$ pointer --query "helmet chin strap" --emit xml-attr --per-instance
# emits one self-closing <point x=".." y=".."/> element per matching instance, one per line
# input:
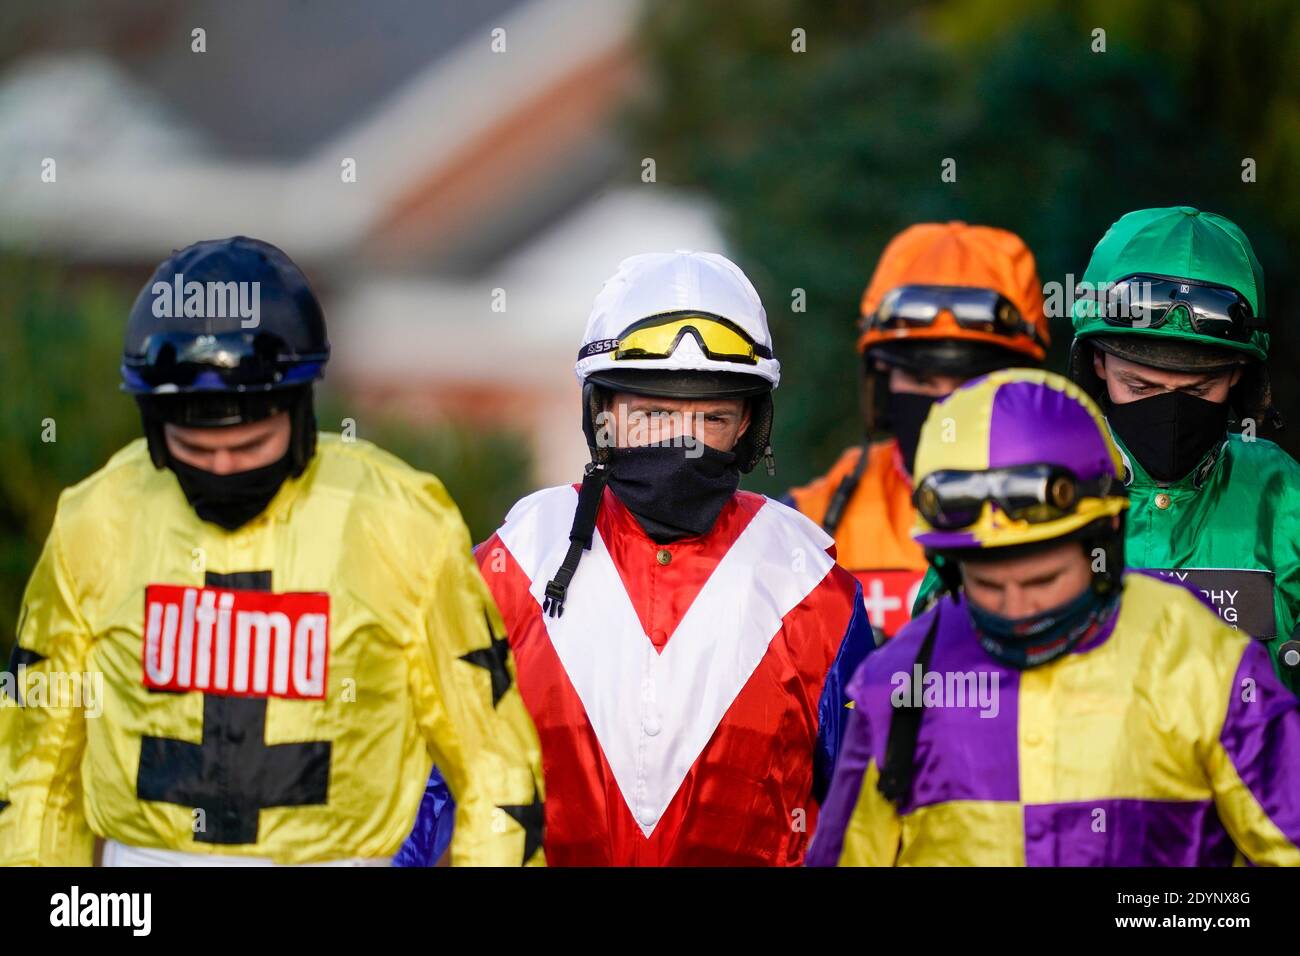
<point x="580" y="537"/>
<point x="302" y="434"/>
<point x="156" y="438"/>
<point x="594" y="399"/>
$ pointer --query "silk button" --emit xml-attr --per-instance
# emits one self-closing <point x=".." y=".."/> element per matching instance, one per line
<point x="664" y="556"/>
<point x="1162" y="501"/>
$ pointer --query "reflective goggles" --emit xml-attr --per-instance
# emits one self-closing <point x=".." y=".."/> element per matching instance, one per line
<point x="954" y="500"/>
<point x="977" y="309"/>
<point x="1145" y="301"/>
<point x="224" y="360"/>
<point x="658" y="337"/>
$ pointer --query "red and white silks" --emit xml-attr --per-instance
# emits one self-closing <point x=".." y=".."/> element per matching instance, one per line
<point x="677" y="696"/>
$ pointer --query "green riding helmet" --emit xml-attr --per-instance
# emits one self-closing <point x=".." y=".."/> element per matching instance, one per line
<point x="1177" y="289"/>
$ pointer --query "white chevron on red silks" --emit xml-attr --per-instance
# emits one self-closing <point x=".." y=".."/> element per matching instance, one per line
<point x="654" y="712"/>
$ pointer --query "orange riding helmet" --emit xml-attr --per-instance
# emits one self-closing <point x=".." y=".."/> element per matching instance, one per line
<point x="962" y="258"/>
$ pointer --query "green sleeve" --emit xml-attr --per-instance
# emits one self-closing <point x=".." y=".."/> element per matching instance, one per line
<point x="1286" y="580"/>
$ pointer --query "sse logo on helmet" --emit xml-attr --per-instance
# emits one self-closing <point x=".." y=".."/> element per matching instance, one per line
<point x="236" y="642"/>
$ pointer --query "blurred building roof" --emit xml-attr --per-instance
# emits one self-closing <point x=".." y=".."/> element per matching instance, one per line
<point x="476" y="171"/>
<point x="460" y="154"/>
<point x="279" y="79"/>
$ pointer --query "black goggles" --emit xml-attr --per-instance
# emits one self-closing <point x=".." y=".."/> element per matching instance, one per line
<point x="223" y="360"/>
<point x="953" y="500"/>
<point x="1145" y="301"/>
<point x="978" y="309"/>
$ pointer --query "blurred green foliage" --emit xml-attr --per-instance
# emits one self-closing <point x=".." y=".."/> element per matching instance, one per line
<point x="816" y="159"/>
<point x="61" y="345"/>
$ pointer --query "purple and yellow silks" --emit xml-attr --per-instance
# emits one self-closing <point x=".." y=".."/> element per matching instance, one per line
<point x="1166" y="740"/>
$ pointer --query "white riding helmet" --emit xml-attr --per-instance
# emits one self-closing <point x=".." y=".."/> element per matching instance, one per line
<point x="674" y="312"/>
<point x="670" y="324"/>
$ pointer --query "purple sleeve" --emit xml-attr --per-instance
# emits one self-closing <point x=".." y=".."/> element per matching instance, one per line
<point x="1261" y="735"/>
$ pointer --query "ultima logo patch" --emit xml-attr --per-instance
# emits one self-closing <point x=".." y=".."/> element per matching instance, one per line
<point x="234" y="642"/>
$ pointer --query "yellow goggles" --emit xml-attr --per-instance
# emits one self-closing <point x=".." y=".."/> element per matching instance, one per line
<point x="658" y="337"/>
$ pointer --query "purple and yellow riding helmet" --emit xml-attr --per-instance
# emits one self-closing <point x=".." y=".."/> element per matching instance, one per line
<point x="1016" y="458"/>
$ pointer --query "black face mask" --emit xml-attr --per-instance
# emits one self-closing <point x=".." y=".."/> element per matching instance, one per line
<point x="1169" y="433"/>
<point x="230" y="500"/>
<point x="673" y="492"/>
<point x="906" y="413"/>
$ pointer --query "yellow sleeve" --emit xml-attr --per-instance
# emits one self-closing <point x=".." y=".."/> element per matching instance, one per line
<point x="44" y="822"/>
<point x="874" y="832"/>
<point x="470" y="712"/>
<point x="857" y="826"/>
